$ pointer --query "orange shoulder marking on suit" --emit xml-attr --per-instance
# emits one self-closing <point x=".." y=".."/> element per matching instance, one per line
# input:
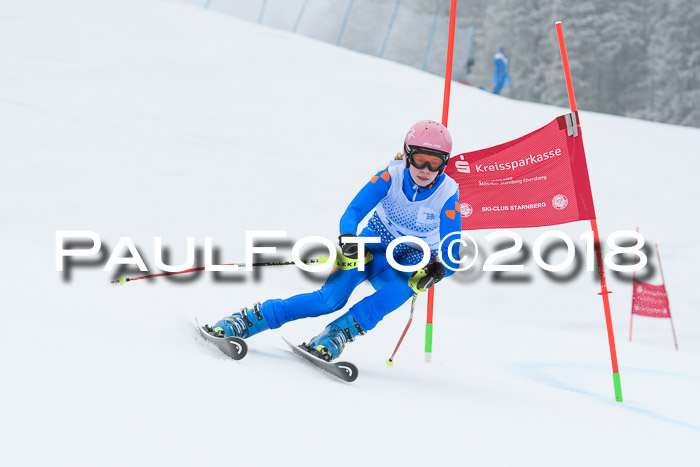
<point x="384" y="176"/>
<point x="451" y="214"/>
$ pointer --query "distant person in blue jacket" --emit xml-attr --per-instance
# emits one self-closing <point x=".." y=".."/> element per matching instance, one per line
<point x="500" y="70"/>
<point x="412" y="196"/>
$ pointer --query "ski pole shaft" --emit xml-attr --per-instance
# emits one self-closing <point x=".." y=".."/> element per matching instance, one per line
<point x="322" y="259"/>
<point x="410" y="319"/>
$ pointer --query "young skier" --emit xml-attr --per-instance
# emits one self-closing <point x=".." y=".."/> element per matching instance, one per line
<point x="411" y="197"/>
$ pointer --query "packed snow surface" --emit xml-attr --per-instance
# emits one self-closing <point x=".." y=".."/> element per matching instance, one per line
<point x="143" y="119"/>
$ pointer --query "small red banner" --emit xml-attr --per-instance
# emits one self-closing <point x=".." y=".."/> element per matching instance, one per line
<point x="538" y="179"/>
<point x="650" y="300"/>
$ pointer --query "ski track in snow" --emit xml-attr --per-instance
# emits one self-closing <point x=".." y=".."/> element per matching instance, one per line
<point x="538" y="372"/>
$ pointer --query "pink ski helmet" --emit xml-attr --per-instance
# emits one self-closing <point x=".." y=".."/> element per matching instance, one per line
<point x="430" y="137"/>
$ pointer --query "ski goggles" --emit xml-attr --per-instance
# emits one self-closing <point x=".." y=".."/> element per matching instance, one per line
<point x="423" y="157"/>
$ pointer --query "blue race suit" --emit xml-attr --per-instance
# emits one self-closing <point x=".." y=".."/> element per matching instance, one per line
<point x="391" y="286"/>
<point x="500" y="72"/>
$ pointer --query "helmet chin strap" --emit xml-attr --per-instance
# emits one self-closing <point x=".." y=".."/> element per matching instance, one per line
<point x="428" y="186"/>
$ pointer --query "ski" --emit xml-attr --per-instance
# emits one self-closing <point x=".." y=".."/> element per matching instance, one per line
<point x="345" y="371"/>
<point x="234" y="347"/>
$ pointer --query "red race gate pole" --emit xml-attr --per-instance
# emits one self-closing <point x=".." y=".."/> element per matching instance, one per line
<point x="594" y="225"/>
<point x="448" y="65"/>
<point x="663" y="281"/>
<point x="445" y="113"/>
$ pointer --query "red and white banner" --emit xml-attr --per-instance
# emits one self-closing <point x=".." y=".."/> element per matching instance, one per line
<point x="650" y="300"/>
<point x="538" y="179"/>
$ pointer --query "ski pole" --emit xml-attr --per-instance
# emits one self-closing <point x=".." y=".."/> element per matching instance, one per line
<point x="124" y="280"/>
<point x="390" y="361"/>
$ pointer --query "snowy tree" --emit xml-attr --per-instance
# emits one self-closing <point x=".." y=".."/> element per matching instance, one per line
<point x="639" y="58"/>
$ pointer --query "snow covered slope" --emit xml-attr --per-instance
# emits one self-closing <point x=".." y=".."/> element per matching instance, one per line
<point x="157" y="118"/>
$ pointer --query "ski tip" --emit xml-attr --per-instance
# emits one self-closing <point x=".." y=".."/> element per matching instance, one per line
<point x="288" y="343"/>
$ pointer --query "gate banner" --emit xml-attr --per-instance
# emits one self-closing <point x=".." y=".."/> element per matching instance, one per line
<point x="650" y="300"/>
<point x="538" y="179"/>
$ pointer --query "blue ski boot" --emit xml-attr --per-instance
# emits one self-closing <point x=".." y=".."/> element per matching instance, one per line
<point x="330" y="343"/>
<point x="246" y="323"/>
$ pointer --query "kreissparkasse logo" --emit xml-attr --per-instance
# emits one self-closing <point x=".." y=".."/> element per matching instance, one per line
<point x="462" y="166"/>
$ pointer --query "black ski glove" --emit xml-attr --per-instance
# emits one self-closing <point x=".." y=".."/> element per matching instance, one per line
<point x="349" y="250"/>
<point x="423" y="279"/>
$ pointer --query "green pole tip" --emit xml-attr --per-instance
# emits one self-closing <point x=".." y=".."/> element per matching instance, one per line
<point x="389" y="362"/>
<point x="428" y="337"/>
<point x="122" y="280"/>
<point x="618" y="387"/>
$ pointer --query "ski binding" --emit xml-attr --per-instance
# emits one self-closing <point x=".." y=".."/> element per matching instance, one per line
<point x="234" y="347"/>
<point x="345" y="371"/>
